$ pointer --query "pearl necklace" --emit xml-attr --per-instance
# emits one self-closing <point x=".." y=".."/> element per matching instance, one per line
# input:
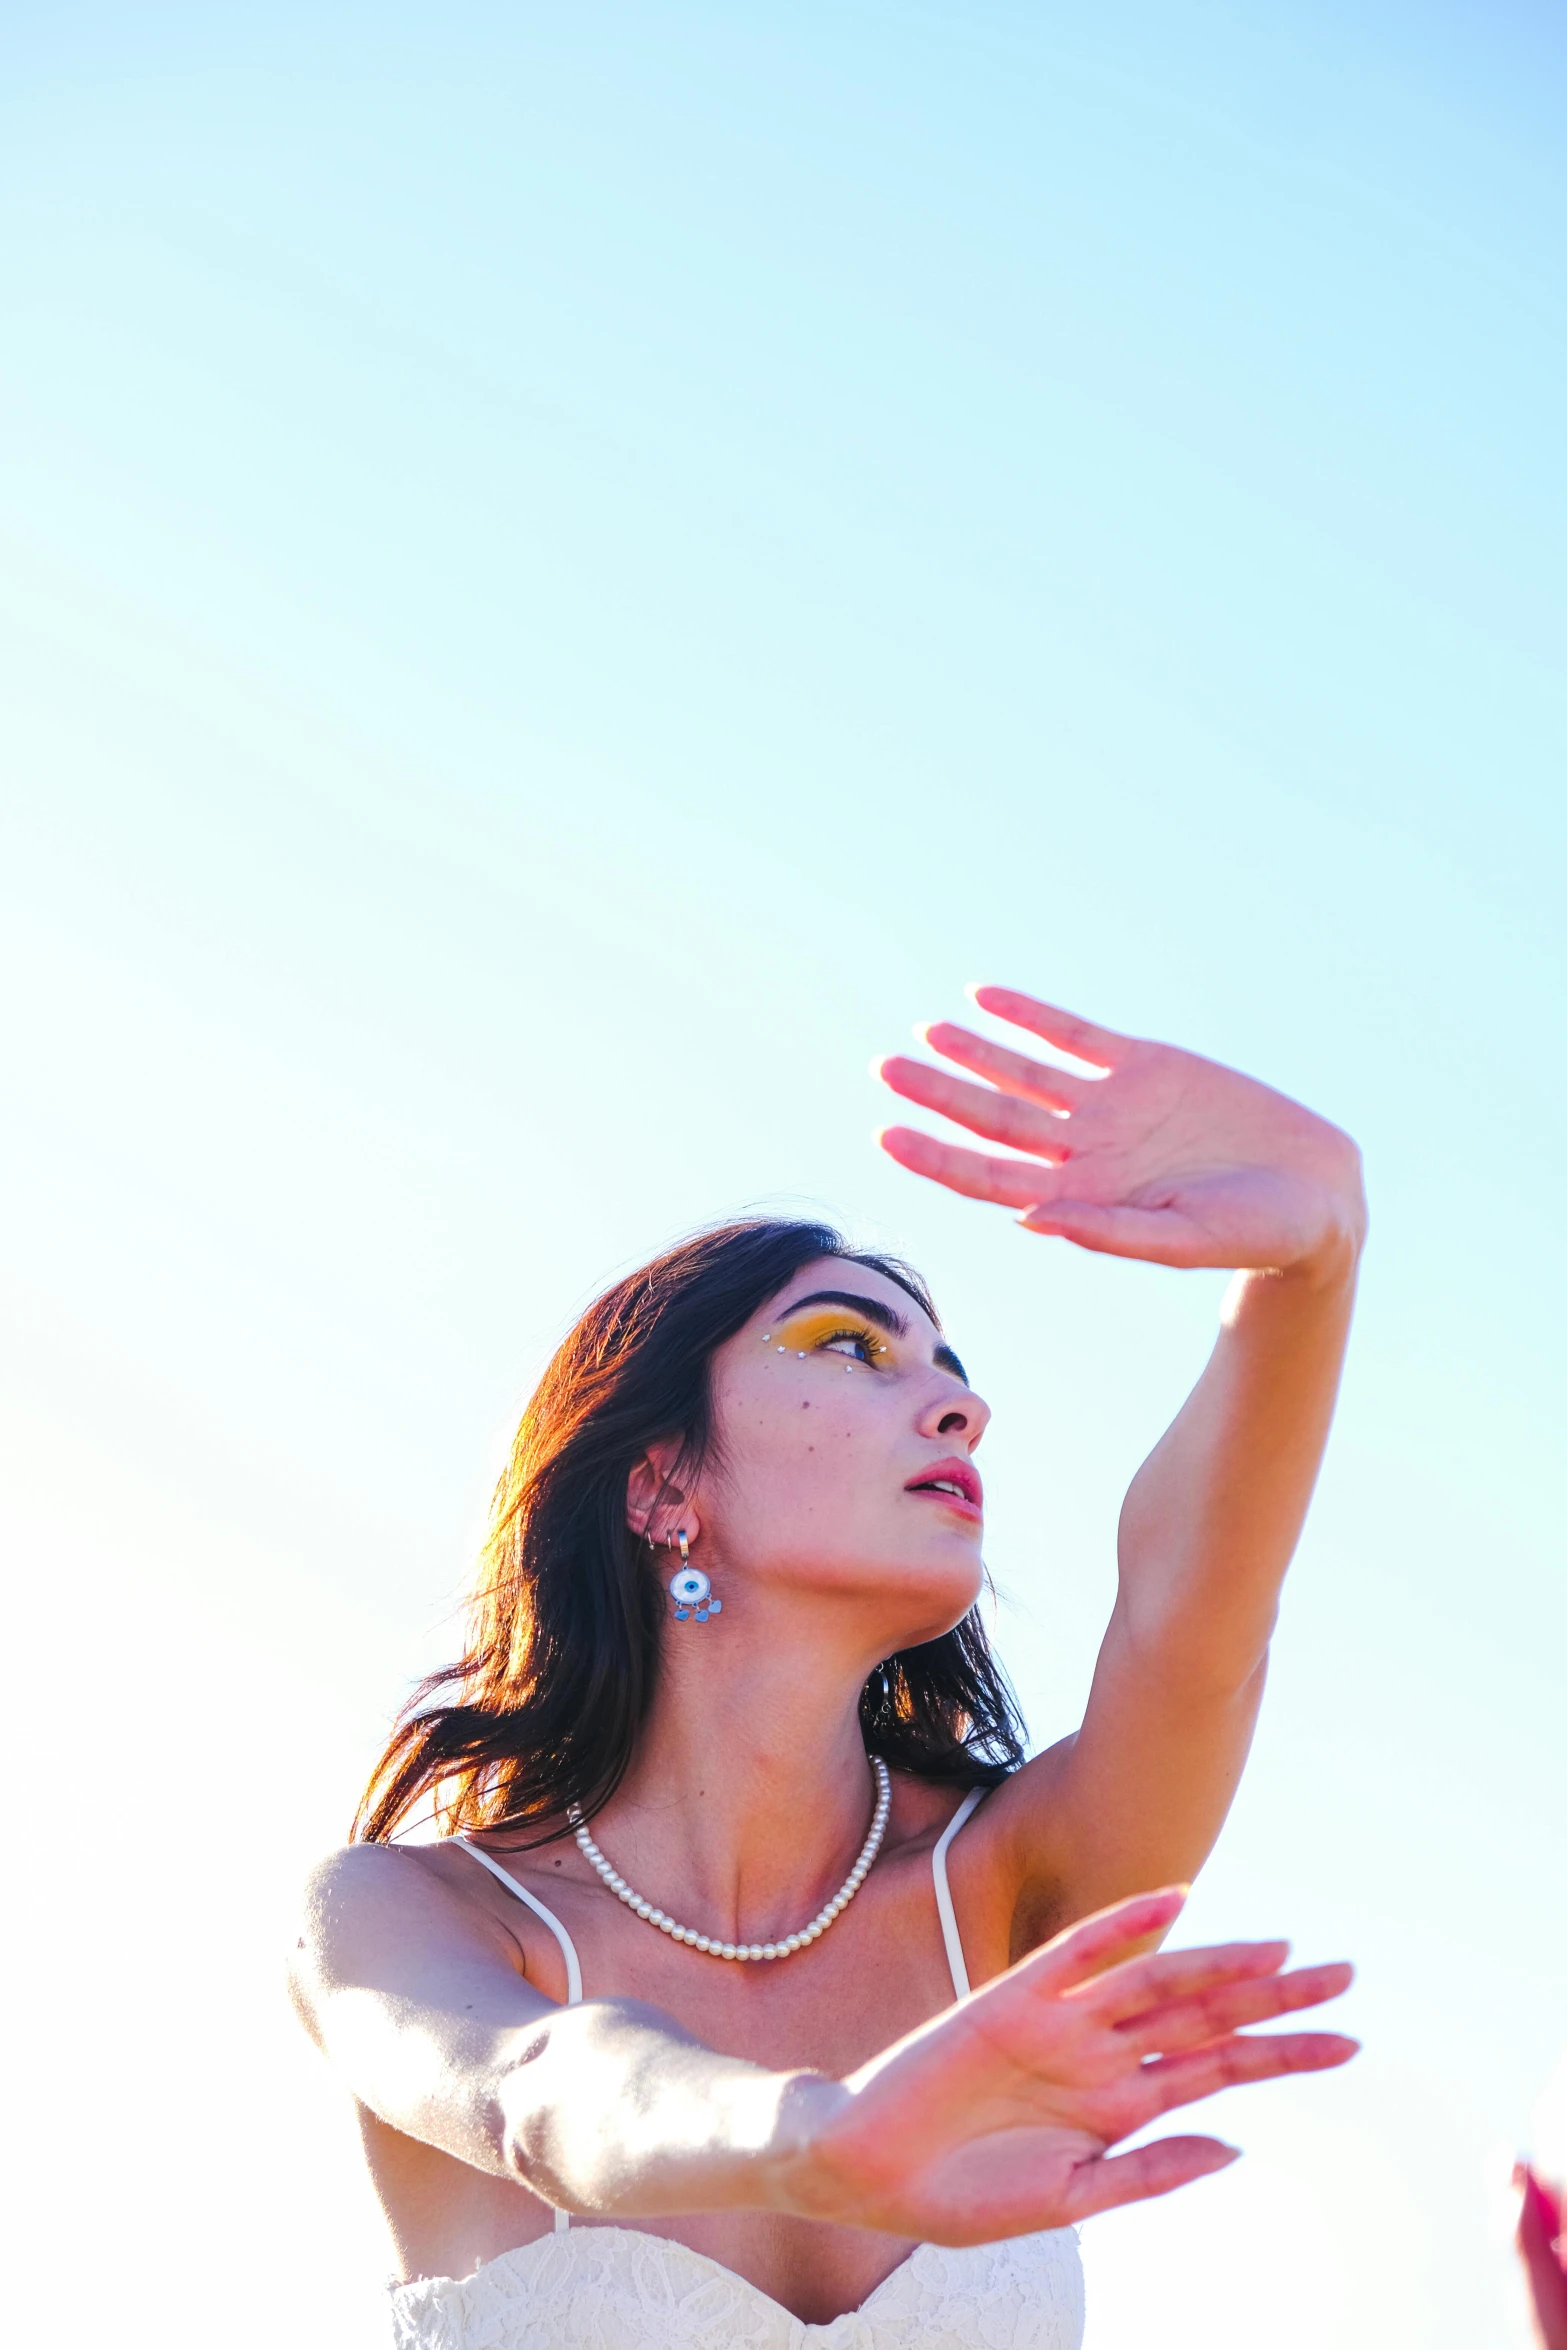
<point x="819" y="1924"/>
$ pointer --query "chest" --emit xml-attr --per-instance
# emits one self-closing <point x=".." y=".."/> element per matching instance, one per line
<point x="881" y="1971"/>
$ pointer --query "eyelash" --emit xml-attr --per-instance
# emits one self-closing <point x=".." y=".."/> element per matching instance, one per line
<point x="868" y="1339"/>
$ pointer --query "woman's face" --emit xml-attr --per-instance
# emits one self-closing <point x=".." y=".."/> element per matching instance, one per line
<point x="843" y="1465"/>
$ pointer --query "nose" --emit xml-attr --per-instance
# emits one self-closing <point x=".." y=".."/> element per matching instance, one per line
<point x="954" y="1410"/>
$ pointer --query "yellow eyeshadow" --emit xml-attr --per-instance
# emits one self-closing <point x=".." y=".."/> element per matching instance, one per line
<point x="800" y="1333"/>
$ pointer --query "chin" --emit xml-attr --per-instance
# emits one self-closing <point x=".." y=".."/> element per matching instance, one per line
<point x="935" y="1594"/>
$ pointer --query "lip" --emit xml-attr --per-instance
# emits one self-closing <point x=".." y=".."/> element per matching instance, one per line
<point x="964" y="1476"/>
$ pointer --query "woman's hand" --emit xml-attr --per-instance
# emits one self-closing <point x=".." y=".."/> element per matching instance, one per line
<point x="1166" y="1157"/>
<point x="1542" y="2247"/>
<point x="997" y="2118"/>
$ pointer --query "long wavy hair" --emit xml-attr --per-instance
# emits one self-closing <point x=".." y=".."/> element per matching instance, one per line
<point x="544" y="1706"/>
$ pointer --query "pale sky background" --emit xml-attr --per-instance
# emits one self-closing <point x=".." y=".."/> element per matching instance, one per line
<point x="566" y="575"/>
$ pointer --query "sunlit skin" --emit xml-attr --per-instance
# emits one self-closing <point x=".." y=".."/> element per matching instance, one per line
<point x="806" y="2122"/>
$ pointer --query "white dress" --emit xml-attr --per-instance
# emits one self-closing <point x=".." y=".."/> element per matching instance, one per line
<point x="619" y="2289"/>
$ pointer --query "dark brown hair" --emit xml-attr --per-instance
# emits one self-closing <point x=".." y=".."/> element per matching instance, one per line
<point x="544" y="1708"/>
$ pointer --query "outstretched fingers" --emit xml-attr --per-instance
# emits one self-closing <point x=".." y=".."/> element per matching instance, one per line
<point x="1167" y="2081"/>
<point x="1219" y="2009"/>
<point x="1031" y="1081"/>
<point x="1114" y="2179"/>
<point x="1007" y="1183"/>
<point x="1100" y="1047"/>
<point x="1103" y="1941"/>
<point x="1157" y="1979"/>
<point x="1000" y="1117"/>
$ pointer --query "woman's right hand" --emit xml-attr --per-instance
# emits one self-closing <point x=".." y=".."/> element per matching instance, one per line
<point x="1542" y="2247"/>
<point x="998" y="2117"/>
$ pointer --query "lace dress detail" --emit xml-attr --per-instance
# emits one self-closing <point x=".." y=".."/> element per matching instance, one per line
<point x="592" y="2288"/>
<point x="618" y="2289"/>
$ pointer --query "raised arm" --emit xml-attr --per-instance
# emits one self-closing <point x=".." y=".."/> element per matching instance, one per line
<point x="1170" y="1158"/>
<point x="993" y="2120"/>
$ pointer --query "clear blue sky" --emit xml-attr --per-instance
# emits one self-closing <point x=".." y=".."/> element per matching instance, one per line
<point x="565" y="576"/>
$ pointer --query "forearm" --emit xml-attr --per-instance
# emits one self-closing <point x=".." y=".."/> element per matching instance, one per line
<point x="611" y="2110"/>
<point x="1212" y="1518"/>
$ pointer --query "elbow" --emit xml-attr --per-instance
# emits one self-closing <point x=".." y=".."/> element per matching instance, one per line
<point x="524" y="2118"/>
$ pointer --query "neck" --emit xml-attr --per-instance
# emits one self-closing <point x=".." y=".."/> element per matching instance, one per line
<point x="750" y="1793"/>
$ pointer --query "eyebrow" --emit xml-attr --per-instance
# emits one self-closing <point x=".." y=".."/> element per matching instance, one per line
<point x="885" y="1317"/>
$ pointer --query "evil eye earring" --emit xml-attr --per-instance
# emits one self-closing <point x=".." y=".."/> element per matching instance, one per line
<point x="689" y="1588"/>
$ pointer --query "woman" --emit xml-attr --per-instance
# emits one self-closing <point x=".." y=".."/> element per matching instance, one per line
<point x="703" y="2024"/>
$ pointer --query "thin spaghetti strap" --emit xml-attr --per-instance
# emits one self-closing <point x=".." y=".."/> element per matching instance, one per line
<point x="568" y="1948"/>
<point x="948" y="1915"/>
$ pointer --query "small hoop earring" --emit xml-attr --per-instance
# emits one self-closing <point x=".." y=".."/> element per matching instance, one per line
<point x="689" y="1588"/>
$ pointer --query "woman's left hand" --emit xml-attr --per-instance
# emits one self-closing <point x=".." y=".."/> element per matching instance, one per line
<point x="1166" y="1156"/>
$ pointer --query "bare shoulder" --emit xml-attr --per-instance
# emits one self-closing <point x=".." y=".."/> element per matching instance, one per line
<point x="360" y="1882"/>
<point x="372" y="1915"/>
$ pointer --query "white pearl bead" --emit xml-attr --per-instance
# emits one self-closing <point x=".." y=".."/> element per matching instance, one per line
<point x="750" y="1951"/>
